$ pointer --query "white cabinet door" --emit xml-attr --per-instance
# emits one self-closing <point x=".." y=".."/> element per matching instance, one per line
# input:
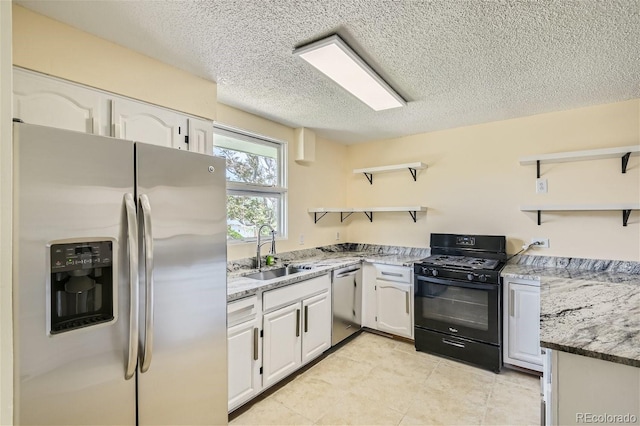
<point x="523" y="325"/>
<point x="51" y="102"/>
<point x="369" y="299"/>
<point x="316" y="329"/>
<point x="141" y="122"/>
<point x="281" y="343"/>
<point x="201" y="136"/>
<point x="394" y="308"/>
<point x="243" y="360"/>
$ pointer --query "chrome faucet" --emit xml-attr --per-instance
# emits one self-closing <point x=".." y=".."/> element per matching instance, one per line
<point x="259" y="244"/>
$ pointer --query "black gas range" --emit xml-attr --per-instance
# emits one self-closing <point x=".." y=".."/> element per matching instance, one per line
<point x="458" y="302"/>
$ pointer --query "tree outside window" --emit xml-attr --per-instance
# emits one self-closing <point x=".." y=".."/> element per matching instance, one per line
<point x="255" y="182"/>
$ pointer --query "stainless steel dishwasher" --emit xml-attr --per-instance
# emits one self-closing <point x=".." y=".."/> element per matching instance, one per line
<point x="346" y="302"/>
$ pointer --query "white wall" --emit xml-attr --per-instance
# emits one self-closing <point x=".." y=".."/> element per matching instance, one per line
<point x="475" y="185"/>
<point x="6" y="333"/>
<point x="51" y="47"/>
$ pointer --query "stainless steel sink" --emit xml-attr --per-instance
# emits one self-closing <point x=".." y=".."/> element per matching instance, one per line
<point x="275" y="273"/>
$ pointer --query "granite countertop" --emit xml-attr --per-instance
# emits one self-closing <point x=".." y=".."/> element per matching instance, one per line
<point x="315" y="264"/>
<point x="589" y="311"/>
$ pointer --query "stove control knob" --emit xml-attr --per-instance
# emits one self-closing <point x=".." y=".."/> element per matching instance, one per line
<point x="470" y="277"/>
<point x="424" y="270"/>
<point x="483" y="278"/>
<point x="434" y="272"/>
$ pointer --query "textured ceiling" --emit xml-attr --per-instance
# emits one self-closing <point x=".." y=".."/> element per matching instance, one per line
<point x="456" y="62"/>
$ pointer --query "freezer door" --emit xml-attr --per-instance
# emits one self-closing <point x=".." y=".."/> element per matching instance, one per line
<point x="71" y="278"/>
<point x="183" y="358"/>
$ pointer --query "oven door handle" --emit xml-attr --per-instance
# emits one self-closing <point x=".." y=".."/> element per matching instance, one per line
<point x="453" y="343"/>
<point x="479" y="286"/>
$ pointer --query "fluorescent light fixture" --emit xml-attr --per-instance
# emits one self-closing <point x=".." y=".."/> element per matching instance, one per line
<point x="332" y="57"/>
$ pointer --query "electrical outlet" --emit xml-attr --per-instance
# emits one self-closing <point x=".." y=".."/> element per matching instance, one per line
<point x="337" y="236"/>
<point x="541" y="186"/>
<point x="540" y="242"/>
<point x="301" y="239"/>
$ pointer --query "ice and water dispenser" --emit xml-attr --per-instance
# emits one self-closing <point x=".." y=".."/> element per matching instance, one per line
<point x="82" y="285"/>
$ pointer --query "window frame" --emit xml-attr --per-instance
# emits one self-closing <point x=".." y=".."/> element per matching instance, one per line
<point x="258" y="190"/>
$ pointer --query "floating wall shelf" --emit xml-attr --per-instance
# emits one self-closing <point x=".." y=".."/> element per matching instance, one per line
<point x="369" y="171"/>
<point x="624" y="208"/>
<point x="345" y="212"/>
<point x="624" y="152"/>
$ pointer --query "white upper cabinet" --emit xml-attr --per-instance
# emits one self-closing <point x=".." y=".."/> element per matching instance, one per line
<point x="200" y="136"/>
<point x="46" y="101"/>
<point x="49" y="101"/>
<point x="142" y="122"/>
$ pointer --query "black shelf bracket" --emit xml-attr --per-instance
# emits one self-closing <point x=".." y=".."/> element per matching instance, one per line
<point x="414" y="173"/>
<point x="316" y="218"/>
<point x="625" y="216"/>
<point x="369" y="215"/>
<point x="413" y="215"/>
<point x="625" y="162"/>
<point x="369" y="177"/>
<point x="539" y="218"/>
<point x="343" y="216"/>
<point x="538" y="170"/>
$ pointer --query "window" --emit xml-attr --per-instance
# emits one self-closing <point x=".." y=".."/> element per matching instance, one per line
<point x="256" y="185"/>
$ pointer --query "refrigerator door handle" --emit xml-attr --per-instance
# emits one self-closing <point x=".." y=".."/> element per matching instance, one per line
<point x="147" y="351"/>
<point x="132" y="242"/>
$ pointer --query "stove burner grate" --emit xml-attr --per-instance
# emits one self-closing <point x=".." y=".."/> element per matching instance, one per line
<point x="466" y="262"/>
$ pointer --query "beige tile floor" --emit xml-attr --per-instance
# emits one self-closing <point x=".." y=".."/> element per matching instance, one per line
<point x="374" y="380"/>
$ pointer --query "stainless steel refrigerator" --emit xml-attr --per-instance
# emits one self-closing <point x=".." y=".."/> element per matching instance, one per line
<point x="119" y="282"/>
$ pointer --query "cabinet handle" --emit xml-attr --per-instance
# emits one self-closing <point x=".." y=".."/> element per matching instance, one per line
<point x="255" y="343"/>
<point x="355" y="294"/>
<point x="391" y="274"/>
<point x="306" y="319"/>
<point x="297" y="322"/>
<point x="511" y="303"/>
<point x="408" y="303"/>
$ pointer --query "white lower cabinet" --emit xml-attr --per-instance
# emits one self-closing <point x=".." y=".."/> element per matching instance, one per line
<point x="316" y="327"/>
<point x="282" y="343"/>
<point x="522" y="323"/>
<point x="388" y="299"/>
<point x="590" y="390"/>
<point x="243" y="349"/>
<point x="394" y="308"/>
<point x="297" y="332"/>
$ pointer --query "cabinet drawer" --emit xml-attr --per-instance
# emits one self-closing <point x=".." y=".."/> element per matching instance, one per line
<point x="282" y="296"/>
<point x="393" y="273"/>
<point x="242" y="310"/>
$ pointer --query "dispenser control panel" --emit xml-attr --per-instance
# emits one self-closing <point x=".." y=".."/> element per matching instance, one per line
<point x="73" y="256"/>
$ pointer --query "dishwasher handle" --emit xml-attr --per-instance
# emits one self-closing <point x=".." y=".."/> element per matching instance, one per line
<point x="343" y="273"/>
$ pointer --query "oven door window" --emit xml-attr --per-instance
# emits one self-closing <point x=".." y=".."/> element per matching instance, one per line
<point x="468" y="310"/>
